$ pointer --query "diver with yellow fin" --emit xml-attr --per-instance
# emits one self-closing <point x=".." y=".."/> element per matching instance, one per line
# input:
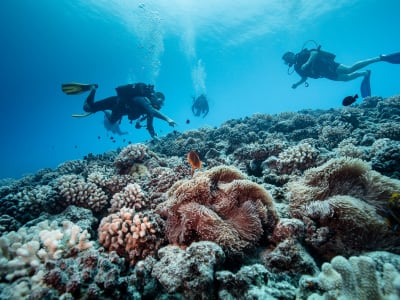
<point x="138" y="101"/>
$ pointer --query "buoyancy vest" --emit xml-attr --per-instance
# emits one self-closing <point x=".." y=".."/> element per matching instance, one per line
<point x="324" y="64"/>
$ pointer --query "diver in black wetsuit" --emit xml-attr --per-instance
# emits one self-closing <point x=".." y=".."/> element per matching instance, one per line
<point x="316" y="63"/>
<point x="200" y="105"/>
<point x="137" y="101"/>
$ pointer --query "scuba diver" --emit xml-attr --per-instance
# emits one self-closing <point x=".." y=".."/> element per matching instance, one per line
<point x="200" y="105"/>
<point x="138" y="101"/>
<point x="316" y="63"/>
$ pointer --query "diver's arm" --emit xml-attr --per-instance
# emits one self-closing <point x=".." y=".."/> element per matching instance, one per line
<point x="302" y="80"/>
<point x="152" y="112"/>
<point x="313" y="56"/>
<point x="150" y="127"/>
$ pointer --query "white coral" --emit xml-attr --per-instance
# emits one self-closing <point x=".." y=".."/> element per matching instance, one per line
<point x="23" y="251"/>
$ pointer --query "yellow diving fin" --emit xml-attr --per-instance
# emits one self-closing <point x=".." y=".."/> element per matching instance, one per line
<point x="74" y="88"/>
<point x="81" y="115"/>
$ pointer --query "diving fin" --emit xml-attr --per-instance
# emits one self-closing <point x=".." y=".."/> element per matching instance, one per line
<point x="74" y="88"/>
<point x="393" y="58"/>
<point x="366" y="86"/>
<point x="81" y="115"/>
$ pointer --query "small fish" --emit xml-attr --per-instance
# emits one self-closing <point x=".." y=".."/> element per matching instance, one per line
<point x="187" y="121"/>
<point x="98" y="137"/>
<point x="194" y="160"/>
<point x="349" y="100"/>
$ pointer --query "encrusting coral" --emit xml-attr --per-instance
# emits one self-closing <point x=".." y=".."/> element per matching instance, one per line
<point x="218" y="205"/>
<point x="343" y="204"/>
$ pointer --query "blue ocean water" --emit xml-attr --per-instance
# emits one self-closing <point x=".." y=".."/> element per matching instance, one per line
<point x="230" y="51"/>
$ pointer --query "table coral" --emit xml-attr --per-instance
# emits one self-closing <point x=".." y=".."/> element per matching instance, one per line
<point x="218" y="205"/>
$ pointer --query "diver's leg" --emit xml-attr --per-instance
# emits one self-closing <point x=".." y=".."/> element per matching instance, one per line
<point x="343" y="69"/>
<point x="87" y="105"/>
<point x="351" y="76"/>
<point x="105" y="104"/>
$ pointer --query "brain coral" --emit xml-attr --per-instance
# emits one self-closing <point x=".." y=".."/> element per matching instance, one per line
<point x="218" y="205"/>
<point x="343" y="203"/>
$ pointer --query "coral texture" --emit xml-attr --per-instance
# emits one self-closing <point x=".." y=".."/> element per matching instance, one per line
<point x="189" y="271"/>
<point x="353" y="278"/>
<point x="75" y="190"/>
<point x="131" y="154"/>
<point x="342" y="204"/>
<point x="131" y="196"/>
<point x="133" y="235"/>
<point x="23" y="251"/>
<point x="218" y="205"/>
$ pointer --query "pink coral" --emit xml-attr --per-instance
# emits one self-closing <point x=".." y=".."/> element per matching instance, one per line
<point x="133" y="235"/>
<point x="131" y="196"/>
<point x="218" y="205"/>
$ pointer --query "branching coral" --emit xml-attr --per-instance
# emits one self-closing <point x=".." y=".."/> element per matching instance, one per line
<point x="75" y="190"/>
<point x="23" y="251"/>
<point x="218" y="205"/>
<point x="131" y="154"/>
<point x="133" y="235"/>
<point x="63" y="242"/>
<point x="131" y="196"/>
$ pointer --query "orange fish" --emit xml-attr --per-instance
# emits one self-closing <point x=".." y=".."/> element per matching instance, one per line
<point x="194" y="160"/>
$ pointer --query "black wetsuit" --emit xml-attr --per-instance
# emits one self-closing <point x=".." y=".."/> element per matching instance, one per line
<point x="134" y="107"/>
<point x="324" y="65"/>
<point x="200" y="106"/>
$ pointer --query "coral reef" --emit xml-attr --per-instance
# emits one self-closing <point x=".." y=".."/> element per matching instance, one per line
<point x="218" y="205"/>
<point x="98" y="228"/>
